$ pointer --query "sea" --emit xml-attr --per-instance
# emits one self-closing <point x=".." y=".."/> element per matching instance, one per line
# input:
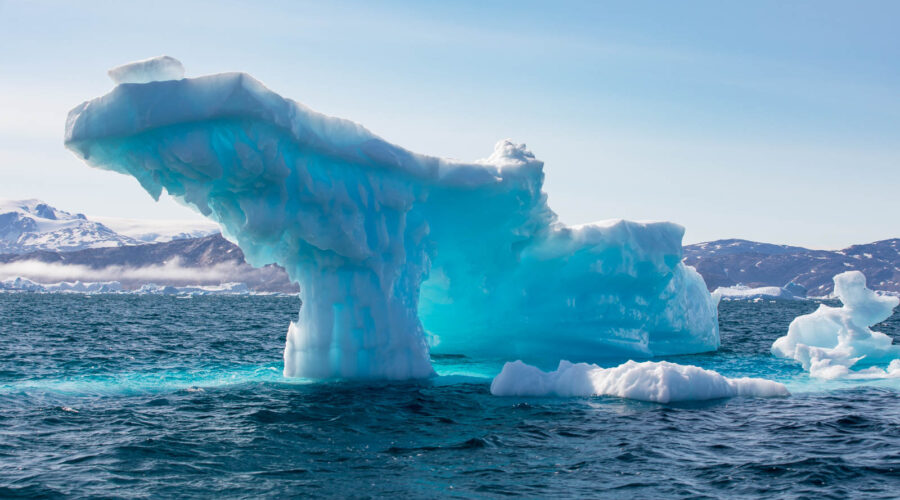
<point x="123" y="396"/>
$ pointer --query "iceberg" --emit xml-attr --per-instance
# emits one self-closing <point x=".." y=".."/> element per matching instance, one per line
<point x="398" y="254"/>
<point x="658" y="382"/>
<point x="791" y="291"/>
<point x="20" y="284"/>
<point x="831" y="341"/>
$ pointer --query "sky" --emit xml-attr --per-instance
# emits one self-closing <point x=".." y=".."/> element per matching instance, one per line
<point x="769" y="121"/>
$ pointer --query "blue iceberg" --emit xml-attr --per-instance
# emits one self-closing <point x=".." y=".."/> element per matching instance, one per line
<point x="398" y="254"/>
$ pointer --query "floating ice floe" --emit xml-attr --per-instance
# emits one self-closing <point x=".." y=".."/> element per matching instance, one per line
<point x="398" y="252"/>
<point x="656" y="381"/>
<point x="836" y="342"/>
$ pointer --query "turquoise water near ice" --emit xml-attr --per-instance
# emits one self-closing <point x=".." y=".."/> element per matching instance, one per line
<point x="145" y="396"/>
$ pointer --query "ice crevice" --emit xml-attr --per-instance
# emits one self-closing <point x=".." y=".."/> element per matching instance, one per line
<point x="396" y="253"/>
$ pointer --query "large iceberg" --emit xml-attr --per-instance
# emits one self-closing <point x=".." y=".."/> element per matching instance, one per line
<point x="836" y="342"/>
<point x="398" y="252"/>
<point x="659" y="382"/>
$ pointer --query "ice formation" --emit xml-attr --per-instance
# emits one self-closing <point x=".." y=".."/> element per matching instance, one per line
<point x="791" y="291"/>
<point x="155" y="69"/>
<point x="395" y="251"/>
<point x="832" y="340"/>
<point x="660" y="382"/>
<point x="26" y="285"/>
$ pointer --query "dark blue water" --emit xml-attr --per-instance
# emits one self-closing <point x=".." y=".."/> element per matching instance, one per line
<point x="126" y="396"/>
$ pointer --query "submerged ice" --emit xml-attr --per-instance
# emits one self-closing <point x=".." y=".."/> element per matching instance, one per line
<point x="659" y="382"/>
<point x="397" y="253"/>
<point x="836" y="342"/>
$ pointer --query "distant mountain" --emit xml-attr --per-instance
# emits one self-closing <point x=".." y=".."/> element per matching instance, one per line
<point x="178" y="253"/>
<point x="209" y="260"/>
<point x="159" y="231"/>
<point x="192" y="252"/>
<point x="726" y="263"/>
<point x="29" y="225"/>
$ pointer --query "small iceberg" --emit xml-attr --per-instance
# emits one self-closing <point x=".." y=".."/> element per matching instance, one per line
<point x="654" y="381"/>
<point x="791" y="291"/>
<point x="832" y="340"/>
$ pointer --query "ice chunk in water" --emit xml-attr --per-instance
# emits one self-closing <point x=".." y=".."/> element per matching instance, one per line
<point x="832" y="340"/>
<point x="660" y="382"/>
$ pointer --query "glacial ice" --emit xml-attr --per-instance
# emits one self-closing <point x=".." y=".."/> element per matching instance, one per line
<point x="397" y="253"/>
<point x="660" y="382"/>
<point x="836" y="342"/>
<point x="791" y="291"/>
<point x="155" y="69"/>
<point x="20" y="284"/>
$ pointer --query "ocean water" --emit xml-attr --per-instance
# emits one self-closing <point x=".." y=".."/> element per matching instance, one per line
<point x="143" y="396"/>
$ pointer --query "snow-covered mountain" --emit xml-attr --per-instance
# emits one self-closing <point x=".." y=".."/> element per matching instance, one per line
<point x="159" y="231"/>
<point x="727" y="263"/>
<point x="30" y="225"/>
<point x="206" y="261"/>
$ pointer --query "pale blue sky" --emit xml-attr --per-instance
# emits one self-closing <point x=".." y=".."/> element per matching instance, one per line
<point x="772" y="121"/>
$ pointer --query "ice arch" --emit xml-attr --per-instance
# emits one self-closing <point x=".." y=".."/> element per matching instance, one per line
<point x="384" y="241"/>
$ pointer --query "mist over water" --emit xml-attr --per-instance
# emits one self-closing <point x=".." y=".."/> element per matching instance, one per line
<point x="125" y="396"/>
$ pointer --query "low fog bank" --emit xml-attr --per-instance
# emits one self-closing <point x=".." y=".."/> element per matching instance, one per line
<point x="172" y="273"/>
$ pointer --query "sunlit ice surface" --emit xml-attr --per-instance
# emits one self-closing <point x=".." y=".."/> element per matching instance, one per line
<point x="397" y="254"/>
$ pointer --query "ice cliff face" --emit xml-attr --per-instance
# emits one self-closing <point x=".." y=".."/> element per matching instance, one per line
<point x="396" y="251"/>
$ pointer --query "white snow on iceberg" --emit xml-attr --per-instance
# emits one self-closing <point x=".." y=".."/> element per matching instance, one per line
<point x="660" y="382"/>
<point x="155" y="69"/>
<point x="393" y="249"/>
<point x="832" y="340"/>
